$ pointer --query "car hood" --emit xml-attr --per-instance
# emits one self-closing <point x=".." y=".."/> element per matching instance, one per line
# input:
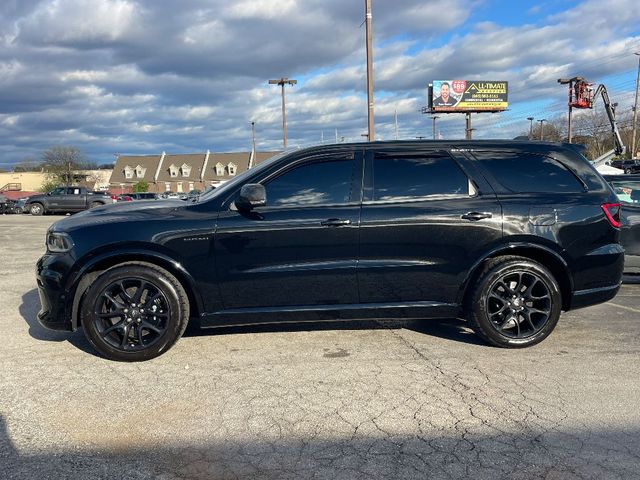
<point x="119" y="212"/>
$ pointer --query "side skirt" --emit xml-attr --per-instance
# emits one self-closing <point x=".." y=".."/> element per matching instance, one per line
<point x="319" y="313"/>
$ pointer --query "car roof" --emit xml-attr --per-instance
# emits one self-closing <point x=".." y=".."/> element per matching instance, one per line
<point x="524" y="145"/>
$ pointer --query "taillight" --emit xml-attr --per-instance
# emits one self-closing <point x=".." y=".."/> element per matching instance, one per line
<point x="612" y="212"/>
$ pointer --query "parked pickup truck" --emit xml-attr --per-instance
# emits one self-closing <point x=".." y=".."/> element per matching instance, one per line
<point x="66" y="199"/>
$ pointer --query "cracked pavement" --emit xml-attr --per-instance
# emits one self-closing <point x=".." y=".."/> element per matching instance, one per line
<point x="340" y="400"/>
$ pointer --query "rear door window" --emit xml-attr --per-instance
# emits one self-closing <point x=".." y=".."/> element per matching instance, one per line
<point x="529" y="173"/>
<point x="403" y="178"/>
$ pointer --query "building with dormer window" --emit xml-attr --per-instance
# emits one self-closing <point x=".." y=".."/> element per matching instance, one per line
<point x="181" y="172"/>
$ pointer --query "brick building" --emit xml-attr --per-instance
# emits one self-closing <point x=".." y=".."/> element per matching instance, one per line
<point x="180" y="172"/>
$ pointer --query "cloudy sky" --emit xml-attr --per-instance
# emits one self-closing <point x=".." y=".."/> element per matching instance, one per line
<point x="143" y="76"/>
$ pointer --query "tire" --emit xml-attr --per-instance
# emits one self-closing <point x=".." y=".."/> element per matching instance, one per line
<point x="119" y="327"/>
<point x="36" y="209"/>
<point x="96" y="204"/>
<point x="627" y="171"/>
<point x="515" y="302"/>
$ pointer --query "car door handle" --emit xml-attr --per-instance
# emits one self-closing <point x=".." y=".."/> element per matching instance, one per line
<point x="475" y="216"/>
<point x="335" y="222"/>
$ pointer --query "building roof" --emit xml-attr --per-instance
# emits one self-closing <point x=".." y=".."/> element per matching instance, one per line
<point x="262" y="156"/>
<point x="196" y="165"/>
<point x="239" y="159"/>
<point x="193" y="162"/>
<point x="148" y="162"/>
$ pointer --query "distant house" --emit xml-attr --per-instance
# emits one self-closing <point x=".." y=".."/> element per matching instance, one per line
<point x="180" y="172"/>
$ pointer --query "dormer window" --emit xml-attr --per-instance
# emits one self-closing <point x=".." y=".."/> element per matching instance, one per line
<point x="186" y="170"/>
<point x="140" y="171"/>
<point x="173" y="170"/>
<point x="232" y="168"/>
<point x="128" y="172"/>
<point x="219" y="169"/>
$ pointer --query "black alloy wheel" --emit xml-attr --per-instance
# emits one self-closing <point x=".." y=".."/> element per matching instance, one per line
<point x="519" y="304"/>
<point x="514" y="302"/>
<point x="134" y="311"/>
<point x="131" y="314"/>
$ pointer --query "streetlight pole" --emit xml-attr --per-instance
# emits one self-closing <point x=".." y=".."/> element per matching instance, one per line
<point x="542" y="128"/>
<point x="635" y="113"/>
<point x="282" y="82"/>
<point x="531" y="119"/>
<point x="434" y="118"/>
<point x="369" y="34"/>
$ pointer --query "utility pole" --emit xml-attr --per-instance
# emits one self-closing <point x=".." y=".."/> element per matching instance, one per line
<point x="253" y="142"/>
<point x="542" y="128"/>
<point x="531" y="119"/>
<point x="635" y="113"/>
<point x="396" y="122"/>
<point x="434" y="118"/>
<point x="282" y="82"/>
<point x="468" y="129"/>
<point x="570" y="82"/>
<point x="369" y="34"/>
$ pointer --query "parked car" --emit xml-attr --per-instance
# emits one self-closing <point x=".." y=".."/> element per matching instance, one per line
<point x="627" y="188"/>
<point x="505" y="234"/>
<point x="67" y="200"/>
<point x="14" y="206"/>
<point x="124" y="197"/>
<point x="627" y="166"/>
<point x="143" y="196"/>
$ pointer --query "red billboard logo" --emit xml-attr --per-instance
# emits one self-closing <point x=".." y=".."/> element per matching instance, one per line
<point x="459" y="86"/>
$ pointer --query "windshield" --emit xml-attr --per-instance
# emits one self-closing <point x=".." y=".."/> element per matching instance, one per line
<point x="231" y="184"/>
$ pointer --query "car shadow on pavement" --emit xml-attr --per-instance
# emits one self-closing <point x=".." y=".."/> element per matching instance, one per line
<point x="29" y="311"/>
<point x="449" y="329"/>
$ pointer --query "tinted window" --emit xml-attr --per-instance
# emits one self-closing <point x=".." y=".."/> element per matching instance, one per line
<point x="417" y="177"/>
<point x="312" y="184"/>
<point x="628" y="191"/>
<point x="529" y="173"/>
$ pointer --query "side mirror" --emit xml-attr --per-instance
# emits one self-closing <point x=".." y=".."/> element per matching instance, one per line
<point x="252" y="195"/>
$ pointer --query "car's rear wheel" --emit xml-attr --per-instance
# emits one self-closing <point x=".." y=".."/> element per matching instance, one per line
<point x="516" y="302"/>
<point x="36" y="209"/>
<point x="134" y="312"/>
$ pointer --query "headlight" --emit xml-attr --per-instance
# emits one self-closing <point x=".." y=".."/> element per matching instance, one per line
<point x="59" y="242"/>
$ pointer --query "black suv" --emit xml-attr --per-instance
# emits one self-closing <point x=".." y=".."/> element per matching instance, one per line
<point x="629" y="166"/>
<point x="505" y="234"/>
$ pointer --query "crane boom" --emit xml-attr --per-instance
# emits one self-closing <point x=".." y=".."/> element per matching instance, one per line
<point x="619" y="148"/>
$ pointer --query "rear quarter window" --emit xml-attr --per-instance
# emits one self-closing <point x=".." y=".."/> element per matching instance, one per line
<point x="529" y="173"/>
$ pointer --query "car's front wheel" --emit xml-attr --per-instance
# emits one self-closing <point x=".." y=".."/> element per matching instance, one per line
<point x="516" y="302"/>
<point x="36" y="209"/>
<point x="134" y="312"/>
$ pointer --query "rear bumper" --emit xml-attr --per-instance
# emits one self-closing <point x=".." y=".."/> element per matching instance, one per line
<point x="593" y="296"/>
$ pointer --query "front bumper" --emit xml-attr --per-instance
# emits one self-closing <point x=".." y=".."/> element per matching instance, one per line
<point x="53" y="312"/>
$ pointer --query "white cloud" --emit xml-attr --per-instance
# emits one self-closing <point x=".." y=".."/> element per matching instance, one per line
<point x="85" y="21"/>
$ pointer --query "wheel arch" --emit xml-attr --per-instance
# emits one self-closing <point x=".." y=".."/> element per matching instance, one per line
<point x="92" y="269"/>
<point x="539" y="253"/>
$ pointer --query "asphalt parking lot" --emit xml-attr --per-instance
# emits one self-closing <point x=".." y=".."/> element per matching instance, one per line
<point x="339" y="401"/>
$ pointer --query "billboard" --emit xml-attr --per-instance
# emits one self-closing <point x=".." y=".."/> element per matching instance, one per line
<point x="468" y="96"/>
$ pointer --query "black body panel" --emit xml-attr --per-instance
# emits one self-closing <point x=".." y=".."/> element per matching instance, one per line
<point x="325" y="255"/>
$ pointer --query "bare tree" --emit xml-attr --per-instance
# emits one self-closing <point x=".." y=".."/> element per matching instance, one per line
<point x="60" y="162"/>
